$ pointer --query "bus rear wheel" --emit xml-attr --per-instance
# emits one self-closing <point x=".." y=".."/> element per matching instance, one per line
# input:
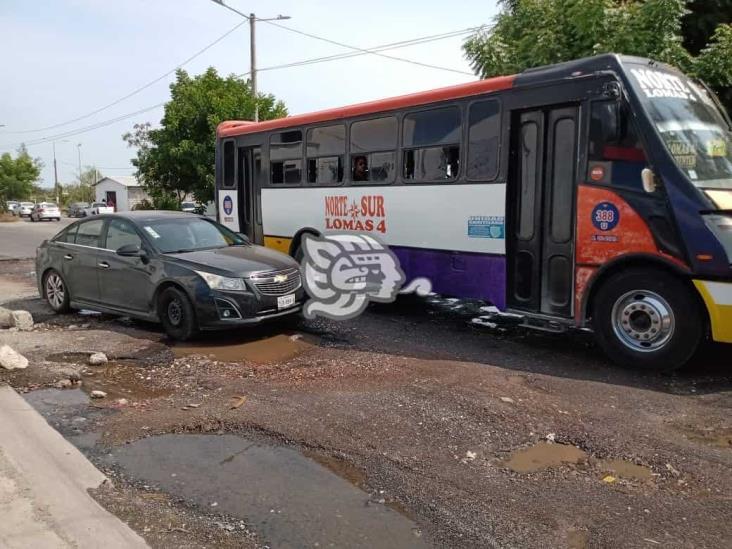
<point x="647" y="319"/>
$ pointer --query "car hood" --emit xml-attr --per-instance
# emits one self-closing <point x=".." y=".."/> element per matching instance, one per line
<point x="240" y="261"/>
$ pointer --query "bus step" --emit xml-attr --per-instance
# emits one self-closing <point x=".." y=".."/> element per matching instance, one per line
<point x="544" y="325"/>
<point x="492" y="314"/>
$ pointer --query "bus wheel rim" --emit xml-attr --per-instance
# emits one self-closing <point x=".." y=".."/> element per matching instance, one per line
<point x="643" y="321"/>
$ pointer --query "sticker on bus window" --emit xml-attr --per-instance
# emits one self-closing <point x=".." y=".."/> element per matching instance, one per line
<point x="151" y="232"/>
<point x="486" y="226"/>
<point x="605" y="216"/>
<point x="716" y="147"/>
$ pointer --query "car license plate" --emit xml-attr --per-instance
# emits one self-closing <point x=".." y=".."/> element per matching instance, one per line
<point x="285" y="301"/>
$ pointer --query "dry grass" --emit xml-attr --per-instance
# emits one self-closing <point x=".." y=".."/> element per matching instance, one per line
<point x="8" y="218"/>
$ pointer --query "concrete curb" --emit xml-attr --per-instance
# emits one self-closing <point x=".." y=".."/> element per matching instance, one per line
<point x="55" y="476"/>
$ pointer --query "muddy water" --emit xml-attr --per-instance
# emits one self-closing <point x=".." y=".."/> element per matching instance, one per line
<point x="288" y="498"/>
<point x="278" y="348"/>
<point x="625" y="469"/>
<point x="543" y="455"/>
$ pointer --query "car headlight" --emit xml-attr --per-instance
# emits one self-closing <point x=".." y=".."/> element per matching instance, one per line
<point x="216" y="282"/>
<point x="721" y="226"/>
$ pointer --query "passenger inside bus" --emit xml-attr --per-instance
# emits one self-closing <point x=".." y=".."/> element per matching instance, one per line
<point x="360" y="169"/>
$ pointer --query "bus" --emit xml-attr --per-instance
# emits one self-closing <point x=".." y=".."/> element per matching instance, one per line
<point x="592" y="194"/>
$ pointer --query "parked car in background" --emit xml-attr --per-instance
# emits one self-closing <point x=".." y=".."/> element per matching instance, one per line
<point x="76" y="209"/>
<point x="188" y="207"/>
<point x="186" y="271"/>
<point x="25" y="209"/>
<point x="45" y="210"/>
<point x="12" y="205"/>
<point x="98" y="208"/>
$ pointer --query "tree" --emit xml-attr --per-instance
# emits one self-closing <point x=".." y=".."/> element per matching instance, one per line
<point x="178" y="158"/>
<point x="530" y="33"/>
<point x="17" y="176"/>
<point x="699" y="26"/>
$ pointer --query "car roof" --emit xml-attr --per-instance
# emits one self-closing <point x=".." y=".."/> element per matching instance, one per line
<point x="141" y="216"/>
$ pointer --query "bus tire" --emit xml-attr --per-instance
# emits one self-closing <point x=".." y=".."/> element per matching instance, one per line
<point x="647" y="319"/>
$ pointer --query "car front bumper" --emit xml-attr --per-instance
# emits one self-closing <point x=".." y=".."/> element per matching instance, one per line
<point x="244" y="308"/>
<point x="717" y="297"/>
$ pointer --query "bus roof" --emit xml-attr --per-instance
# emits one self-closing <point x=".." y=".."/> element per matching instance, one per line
<point x="236" y="127"/>
<point x="547" y="73"/>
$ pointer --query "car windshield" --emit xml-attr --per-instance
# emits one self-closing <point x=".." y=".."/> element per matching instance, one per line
<point x="693" y="128"/>
<point x="188" y="205"/>
<point x="177" y="235"/>
<point x="98" y="205"/>
<point x="49" y="205"/>
<point x="27" y="204"/>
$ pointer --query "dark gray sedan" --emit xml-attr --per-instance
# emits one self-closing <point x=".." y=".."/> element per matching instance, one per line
<point x="185" y="271"/>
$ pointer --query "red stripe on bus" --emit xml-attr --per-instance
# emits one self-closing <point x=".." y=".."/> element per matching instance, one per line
<point x="240" y="127"/>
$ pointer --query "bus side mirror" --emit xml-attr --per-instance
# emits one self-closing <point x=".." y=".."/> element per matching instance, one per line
<point x="650" y="184"/>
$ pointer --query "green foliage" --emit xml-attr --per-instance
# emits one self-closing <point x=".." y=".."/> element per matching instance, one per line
<point x="81" y="190"/>
<point x="178" y="158"/>
<point x="17" y="176"/>
<point x="531" y="33"/>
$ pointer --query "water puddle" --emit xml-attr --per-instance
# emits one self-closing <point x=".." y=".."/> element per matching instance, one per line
<point x="278" y="348"/>
<point x="720" y="438"/>
<point x="625" y="469"/>
<point x="544" y="455"/>
<point x="290" y="499"/>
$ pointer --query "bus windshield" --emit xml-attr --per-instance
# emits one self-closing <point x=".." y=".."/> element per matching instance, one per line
<point x="690" y="123"/>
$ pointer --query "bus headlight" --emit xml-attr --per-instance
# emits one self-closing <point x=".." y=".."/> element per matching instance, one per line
<point x="216" y="282"/>
<point x="721" y="226"/>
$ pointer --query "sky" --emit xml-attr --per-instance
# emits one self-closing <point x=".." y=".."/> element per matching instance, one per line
<point x="64" y="59"/>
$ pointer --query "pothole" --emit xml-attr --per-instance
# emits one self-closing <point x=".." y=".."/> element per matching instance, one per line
<point x="625" y="469"/>
<point x="544" y="455"/>
<point x="278" y="348"/>
<point x="290" y="499"/>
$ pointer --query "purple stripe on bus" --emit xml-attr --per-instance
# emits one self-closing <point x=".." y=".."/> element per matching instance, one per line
<point x="460" y="274"/>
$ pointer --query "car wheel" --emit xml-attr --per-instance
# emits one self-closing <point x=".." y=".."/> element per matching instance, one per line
<point x="176" y="314"/>
<point x="648" y="319"/>
<point x="56" y="293"/>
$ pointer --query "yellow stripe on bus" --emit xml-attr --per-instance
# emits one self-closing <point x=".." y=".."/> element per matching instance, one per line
<point x="278" y="243"/>
<point x="719" y="308"/>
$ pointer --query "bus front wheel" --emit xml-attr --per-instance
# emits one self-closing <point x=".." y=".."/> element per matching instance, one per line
<point x="647" y="319"/>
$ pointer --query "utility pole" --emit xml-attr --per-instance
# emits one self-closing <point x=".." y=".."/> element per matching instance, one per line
<point x="253" y="62"/>
<point x="55" y="175"/>
<point x="252" y="49"/>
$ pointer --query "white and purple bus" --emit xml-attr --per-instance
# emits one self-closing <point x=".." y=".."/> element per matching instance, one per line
<point x="595" y="193"/>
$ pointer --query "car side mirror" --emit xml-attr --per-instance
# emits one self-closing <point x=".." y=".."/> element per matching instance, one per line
<point x="131" y="250"/>
<point x="650" y="183"/>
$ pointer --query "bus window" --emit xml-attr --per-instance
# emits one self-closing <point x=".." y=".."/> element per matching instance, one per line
<point x="483" y="139"/>
<point x="229" y="161"/>
<point x="326" y="148"/>
<point x="615" y="155"/>
<point x="373" y="150"/>
<point x="285" y="157"/>
<point x="432" y="145"/>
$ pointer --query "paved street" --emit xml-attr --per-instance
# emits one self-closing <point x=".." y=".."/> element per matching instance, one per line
<point x="19" y="239"/>
<point x="405" y="427"/>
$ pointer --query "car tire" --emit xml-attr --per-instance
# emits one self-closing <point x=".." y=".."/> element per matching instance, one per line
<point x="56" y="292"/>
<point x="648" y="319"/>
<point x="177" y="314"/>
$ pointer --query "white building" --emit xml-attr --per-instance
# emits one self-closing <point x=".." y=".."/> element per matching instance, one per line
<point x="125" y="191"/>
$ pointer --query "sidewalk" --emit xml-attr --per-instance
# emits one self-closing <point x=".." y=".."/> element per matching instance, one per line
<point x="43" y="487"/>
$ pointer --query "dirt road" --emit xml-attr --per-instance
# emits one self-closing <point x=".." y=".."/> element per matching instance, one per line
<point x="405" y="427"/>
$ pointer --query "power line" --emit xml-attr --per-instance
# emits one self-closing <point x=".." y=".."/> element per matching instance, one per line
<point x="358" y="52"/>
<point x="137" y="90"/>
<point x="85" y="129"/>
<point x="384" y="47"/>
<point x="355" y="48"/>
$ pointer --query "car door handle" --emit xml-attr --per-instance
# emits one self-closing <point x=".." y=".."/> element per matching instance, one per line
<point x="104" y="265"/>
<point x="68" y="257"/>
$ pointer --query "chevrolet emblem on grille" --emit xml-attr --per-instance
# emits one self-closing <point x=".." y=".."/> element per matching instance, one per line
<point x="280" y="278"/>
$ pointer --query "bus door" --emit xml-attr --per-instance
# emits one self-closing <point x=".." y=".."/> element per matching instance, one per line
<point x="248" y="169"/>
<point x="541" y="209"/>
